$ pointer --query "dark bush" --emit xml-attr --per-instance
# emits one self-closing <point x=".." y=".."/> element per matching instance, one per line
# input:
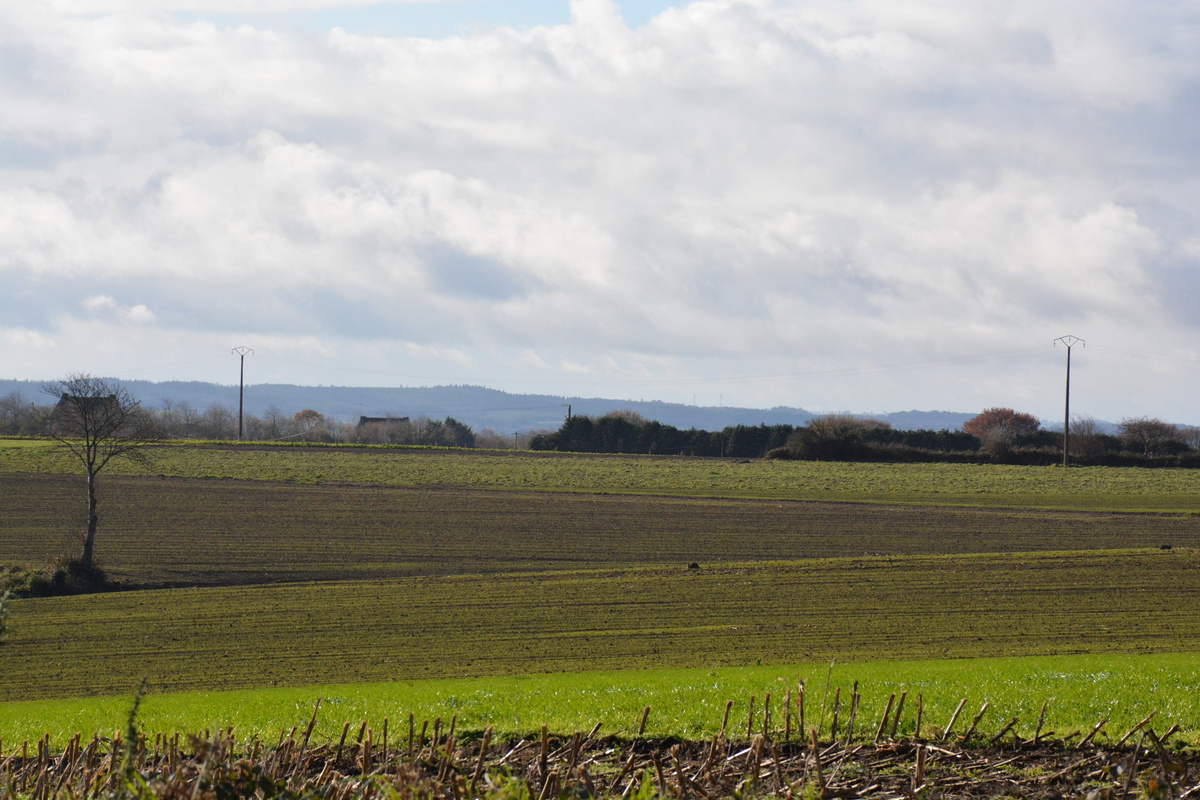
<point x="60" y="577"/>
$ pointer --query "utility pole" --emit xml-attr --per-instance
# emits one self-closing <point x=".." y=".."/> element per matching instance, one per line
<point x="1068" y="342"/>
<point x="241" y="351"/>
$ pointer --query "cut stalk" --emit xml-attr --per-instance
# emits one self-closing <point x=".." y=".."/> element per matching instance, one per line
<point x="953" y="719"/>
<point x="883" y="721"/>
<point x="896" y="719"/>
<point x="975" y="722"/>
<point x="725" y="719"/>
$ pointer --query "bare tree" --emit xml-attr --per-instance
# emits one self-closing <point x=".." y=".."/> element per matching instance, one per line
<point x="169" y="423"/>
<point x="1190" y="435"/>
<point x="217" y="422"/>
<point x="276" y="424"/>
<point x="1148" y="435"/>
<point x="17" y="414"/>
<point x="489" y="439"/>
<point x="1086" y="442"/>
<point x="97" y="421"/>
<point x="188" y="418"/>
<point x="256" y="428"/>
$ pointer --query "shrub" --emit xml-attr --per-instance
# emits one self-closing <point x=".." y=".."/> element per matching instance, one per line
<point x="832" y="437"/>
<point x="63" y="576"/>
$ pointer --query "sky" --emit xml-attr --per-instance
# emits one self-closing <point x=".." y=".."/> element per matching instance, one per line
<point x="840" y="205"/>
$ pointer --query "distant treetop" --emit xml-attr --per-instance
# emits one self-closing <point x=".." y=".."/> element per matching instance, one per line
<point x="1001" y="420"/>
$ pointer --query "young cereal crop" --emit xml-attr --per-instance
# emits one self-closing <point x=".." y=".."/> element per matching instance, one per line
<point x="854" y="609"/>
<point x="174" y="531"/>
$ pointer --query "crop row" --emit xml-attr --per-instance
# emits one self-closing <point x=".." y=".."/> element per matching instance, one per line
<point x="159" y="531"/>
<point x="854" y="609"/>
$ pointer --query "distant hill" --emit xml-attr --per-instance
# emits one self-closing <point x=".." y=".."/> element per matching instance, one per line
<point x="477" y="406"/>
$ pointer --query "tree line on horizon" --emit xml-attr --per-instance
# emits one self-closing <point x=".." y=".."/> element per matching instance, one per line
<point x="21" y="417"/>
<point x="996" y="435"/>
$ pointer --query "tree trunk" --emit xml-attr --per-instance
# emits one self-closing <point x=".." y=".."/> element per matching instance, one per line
<point x="89" y="539"/>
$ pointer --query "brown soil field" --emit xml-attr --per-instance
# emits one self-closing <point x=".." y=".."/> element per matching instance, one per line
<point x="181" y="531"/>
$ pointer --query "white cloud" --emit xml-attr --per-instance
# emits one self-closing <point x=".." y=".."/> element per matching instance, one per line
<point x="738" y="188"/>
<point x="139" y="314"/>
<point x="95" y="7"/>
<point x="15" y="340"/>
<point x="447" y="356"/>
<point x="103" y="305"/>
<point x="531" y="359"/>
<point x="100" y="302"/>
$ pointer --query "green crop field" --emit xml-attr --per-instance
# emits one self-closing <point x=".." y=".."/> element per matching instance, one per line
<point x="1092" y="488"/>
<point x="1079" y="691"/>
<point x="857" y="609"/>
<point x="255" y="568"/>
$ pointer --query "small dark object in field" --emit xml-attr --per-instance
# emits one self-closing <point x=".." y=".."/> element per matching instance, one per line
<point x="693" y="565"/>
<point x="1165" y="547"/>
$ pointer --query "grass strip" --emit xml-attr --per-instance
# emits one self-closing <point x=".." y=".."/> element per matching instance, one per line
<point x="684" y="703"/>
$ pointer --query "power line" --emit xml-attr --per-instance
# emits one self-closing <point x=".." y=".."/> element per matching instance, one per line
<point x="117" y="374"/>
<point x="1121" y="351"/>
<point x="811" y="375"/>
<point x="815" y="374"/>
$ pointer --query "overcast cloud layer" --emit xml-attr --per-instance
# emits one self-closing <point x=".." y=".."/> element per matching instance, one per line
<point x="870" y="205"/>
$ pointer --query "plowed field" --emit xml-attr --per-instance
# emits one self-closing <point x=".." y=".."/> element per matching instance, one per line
<point x="175" y="531"/>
